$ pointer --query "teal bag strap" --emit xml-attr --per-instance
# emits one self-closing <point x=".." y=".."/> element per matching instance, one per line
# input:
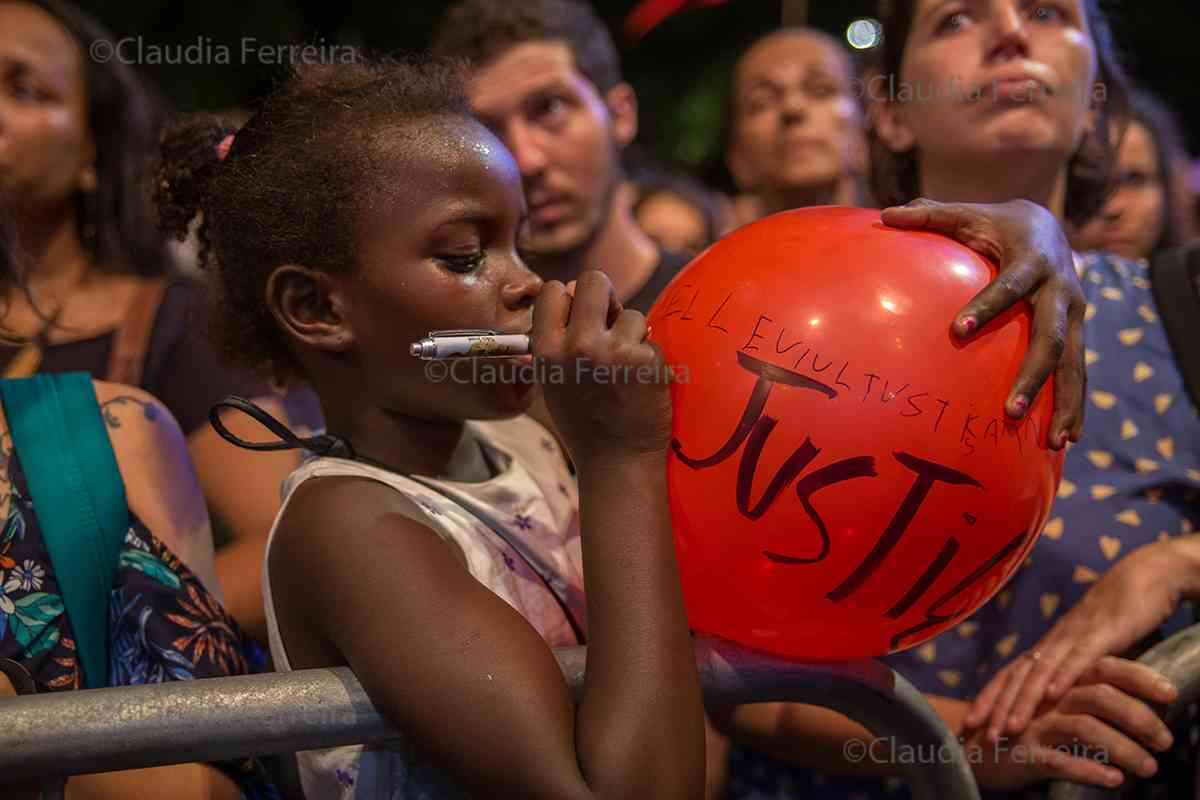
<point x="78" y="499"/>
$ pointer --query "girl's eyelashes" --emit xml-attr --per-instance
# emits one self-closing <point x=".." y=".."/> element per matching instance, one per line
<point x="1048" y="12"/>
<point x="458" y="262"/>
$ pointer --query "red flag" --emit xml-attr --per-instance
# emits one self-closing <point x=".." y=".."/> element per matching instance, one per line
<point x="649" y="14"/>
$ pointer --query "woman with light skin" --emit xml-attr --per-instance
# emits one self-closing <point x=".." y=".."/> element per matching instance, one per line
<point x="1148" y="210"/>
<point x="1012" y="99"/>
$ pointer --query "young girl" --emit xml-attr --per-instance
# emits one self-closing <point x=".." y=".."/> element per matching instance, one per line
<point x="435" y="546"/>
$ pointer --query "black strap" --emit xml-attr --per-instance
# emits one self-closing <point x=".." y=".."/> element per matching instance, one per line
<point x="323" y="445"/>
<point x="333" y="446"/>
<point x="1175" y="278"/>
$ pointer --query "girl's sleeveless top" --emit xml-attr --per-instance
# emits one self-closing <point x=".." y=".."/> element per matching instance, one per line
<point x="534" y="501"/>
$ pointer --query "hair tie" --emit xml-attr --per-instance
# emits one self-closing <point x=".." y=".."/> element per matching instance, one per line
<point x="223" y="147"/>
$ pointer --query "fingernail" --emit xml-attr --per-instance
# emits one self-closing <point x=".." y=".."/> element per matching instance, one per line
<point x="1113" y="778"/>
<point x="968" y="324"/>
<point x="1167" y="688"/>
<point x="1020" y="403"/>
<point x="1164" y="740"/>
<point x="1062" y="440"/>
<point x="1148" y="767"/>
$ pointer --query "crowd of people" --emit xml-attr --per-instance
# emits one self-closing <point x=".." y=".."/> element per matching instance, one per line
<point x="437" y="538"/>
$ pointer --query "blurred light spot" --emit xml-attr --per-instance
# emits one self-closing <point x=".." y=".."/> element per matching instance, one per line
<point x="888" y="304"/>
<point x="863" y="34"/>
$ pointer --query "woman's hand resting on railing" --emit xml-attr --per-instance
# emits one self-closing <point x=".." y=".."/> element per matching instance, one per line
<point x="1128" y="602"/>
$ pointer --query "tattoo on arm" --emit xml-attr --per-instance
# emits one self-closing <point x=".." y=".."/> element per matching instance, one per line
<point x="108" y="409"/>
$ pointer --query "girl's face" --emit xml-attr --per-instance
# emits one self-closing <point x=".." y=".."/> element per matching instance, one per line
<point x="439" y="252"/>
<point x="46" y="151"/>
<point x="984" y="79"/>
<point x="1132" y="220"/>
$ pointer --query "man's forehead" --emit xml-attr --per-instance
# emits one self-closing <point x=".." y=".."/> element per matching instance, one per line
<point x="788" y="53"/>
<point x="519" y="71"/>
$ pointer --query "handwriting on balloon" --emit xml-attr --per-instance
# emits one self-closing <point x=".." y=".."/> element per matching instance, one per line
<point x="823" y="376"/>
<point x="974" y="430"/>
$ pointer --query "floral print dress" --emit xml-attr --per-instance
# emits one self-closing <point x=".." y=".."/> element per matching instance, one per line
<point x="164" y="624"/>
<point x="534" y="500"/>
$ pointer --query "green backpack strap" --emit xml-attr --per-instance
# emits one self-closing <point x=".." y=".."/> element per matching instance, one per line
<point x="78" y="499"/>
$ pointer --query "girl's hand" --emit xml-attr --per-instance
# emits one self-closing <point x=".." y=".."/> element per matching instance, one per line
<point x="1091" y="735"/>
<point x="1036" y="263"/>
<point x="1128" y="602"/>
<point x="608" y="389"/>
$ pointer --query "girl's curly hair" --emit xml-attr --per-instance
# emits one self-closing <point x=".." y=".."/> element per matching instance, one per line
<point x="294" y="184"/>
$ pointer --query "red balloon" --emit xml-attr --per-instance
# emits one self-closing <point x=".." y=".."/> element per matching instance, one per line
<point x="844" y="481"/>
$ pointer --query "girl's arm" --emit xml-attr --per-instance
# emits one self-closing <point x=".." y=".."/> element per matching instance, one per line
<point x="467" y="680"/>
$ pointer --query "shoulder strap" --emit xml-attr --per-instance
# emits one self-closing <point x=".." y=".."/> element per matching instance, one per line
<point x="79" y="499"/>
<point x="132" y="339"/>
<point x="1175" y="277"/>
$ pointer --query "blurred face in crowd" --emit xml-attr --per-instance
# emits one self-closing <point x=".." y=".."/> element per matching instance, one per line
<point x="796" y="123"/>
<point x="1132" y="220"/>
<point x="565" y="135"/>
<point x="988" y="79"/>
<point x="46" y="150"/>
<point x="673" y="222"/>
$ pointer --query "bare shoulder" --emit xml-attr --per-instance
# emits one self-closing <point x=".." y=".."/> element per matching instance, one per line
<point x="352" y="538"/>
<point x="144" y="435"/>
<point x="325" y="515"/>
<point x="160" y="482"/>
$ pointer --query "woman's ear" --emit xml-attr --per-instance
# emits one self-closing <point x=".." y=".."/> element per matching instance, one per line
<point x="887" y="119"/>
<point x="311" y="307"/>
<point x="623" y="110"/>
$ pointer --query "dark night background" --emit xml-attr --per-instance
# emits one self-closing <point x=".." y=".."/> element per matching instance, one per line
<point x="679" y="70"/>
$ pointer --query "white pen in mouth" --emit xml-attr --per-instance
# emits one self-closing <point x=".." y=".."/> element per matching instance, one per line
<point x="470" y="344"/>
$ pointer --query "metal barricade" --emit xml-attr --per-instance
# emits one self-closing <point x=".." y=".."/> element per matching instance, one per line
<point x="101" y="730"/>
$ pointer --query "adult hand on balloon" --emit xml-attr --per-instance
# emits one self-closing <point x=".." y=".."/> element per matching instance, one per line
<point x="1092" y="734"/>
<point x="1128" y="602"/>
<point x="1036" y="263"/>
